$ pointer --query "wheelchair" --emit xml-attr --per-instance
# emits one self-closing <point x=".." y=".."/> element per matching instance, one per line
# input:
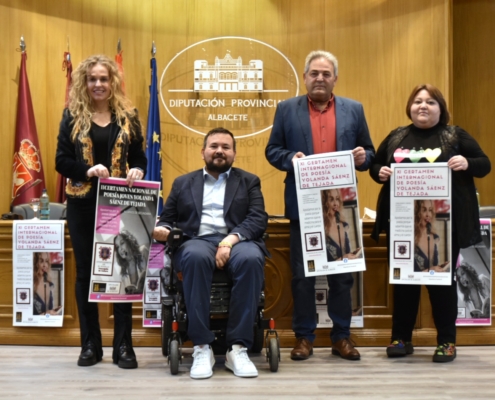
<point x="174" y="316"/>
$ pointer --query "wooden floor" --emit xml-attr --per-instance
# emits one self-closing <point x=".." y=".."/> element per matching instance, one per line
<point x="51" y="373"/>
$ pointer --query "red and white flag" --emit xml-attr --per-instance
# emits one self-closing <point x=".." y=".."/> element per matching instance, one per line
<point x="27" y="166"/>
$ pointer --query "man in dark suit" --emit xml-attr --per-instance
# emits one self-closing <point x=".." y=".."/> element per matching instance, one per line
<point x="318" y="122"/>
<point x="221" y="211"/>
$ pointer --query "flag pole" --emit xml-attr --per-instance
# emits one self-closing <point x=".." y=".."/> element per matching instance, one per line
<point x="60" y="196"/>
<point x="153" y="135"/>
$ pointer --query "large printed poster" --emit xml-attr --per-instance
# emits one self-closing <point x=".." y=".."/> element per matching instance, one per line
<point x="329" y="214"/>
<point x="474" y="280"/>
<point x="420" y="224"/>
<point x="125" y="218"/>
<point x="38" y="273"/>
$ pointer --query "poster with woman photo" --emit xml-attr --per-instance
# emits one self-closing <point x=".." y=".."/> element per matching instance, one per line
<point x="38" y="273"/>
<point x="420" y="224"/>
<point x="125" y="218"/>
<point x="329" y="214"/>
<point x="474" y="281"/>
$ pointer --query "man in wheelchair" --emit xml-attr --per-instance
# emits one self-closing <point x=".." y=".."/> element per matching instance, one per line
<point x="221" y="211"/>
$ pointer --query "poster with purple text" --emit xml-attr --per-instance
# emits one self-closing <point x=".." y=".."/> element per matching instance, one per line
<point x="157" y="277"/>
<point x="328" y="206"/>
<point x="125" y="218"/>
<point x="38" y="273"/>
<point x="420" y="224"/>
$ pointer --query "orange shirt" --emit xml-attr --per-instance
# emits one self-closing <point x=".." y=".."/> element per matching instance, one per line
<point x="323" y="128"/>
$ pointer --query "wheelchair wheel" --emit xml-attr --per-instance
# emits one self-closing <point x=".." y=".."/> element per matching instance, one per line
<point x="167" y="319"/>
<point x="174" y="356"/>
<point x="273" y="354"/>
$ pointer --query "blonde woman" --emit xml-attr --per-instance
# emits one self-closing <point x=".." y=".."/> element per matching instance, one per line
<point x="100" y="137"/>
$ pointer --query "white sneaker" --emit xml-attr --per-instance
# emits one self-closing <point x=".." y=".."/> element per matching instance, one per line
<point x="203" y="363"/>
<point x="239" y="363"/>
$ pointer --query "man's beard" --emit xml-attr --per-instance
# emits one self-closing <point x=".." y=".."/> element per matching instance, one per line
<point x="212" y="167"/>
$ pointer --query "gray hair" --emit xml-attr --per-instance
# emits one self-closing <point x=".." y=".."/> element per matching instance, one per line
<point x="322" y="54"/>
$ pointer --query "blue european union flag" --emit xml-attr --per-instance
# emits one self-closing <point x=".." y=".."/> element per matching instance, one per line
<point x="153" y="136"/>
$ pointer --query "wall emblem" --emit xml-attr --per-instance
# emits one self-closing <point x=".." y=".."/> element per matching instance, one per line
<point x="234" y="82"/>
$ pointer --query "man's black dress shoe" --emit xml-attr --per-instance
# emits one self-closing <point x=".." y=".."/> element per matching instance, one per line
<point x="127" y="358"/>
<point x="88" y="355"/>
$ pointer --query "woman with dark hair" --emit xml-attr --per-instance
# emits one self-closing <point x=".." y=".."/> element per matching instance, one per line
<point x="337" y="240"/>
<point x="100" y="137"/>
<point x="427" y="109"/>
<point x="132" y="260"/>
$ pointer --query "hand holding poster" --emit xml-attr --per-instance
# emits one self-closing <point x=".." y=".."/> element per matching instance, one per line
<point x="125" y="218"/>
<point x="329" y="214"/>
<point x="420" y="239"/>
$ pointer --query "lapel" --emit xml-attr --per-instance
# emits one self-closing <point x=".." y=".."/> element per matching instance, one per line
<point x="197" y="187"/>
<point x="302" y="112"/>
<point x="340" y="118"/>
<point x="230" y="190"/>
<point x="114" y="132"/>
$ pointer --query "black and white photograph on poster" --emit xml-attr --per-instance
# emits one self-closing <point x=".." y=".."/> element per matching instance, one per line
<point x="125" y="218"/>
<point x="323" y="298"/>
<point x="474" y="281"/>
<point x="420" y="224"/>
<point x="38" y="273"/>
<point x="331" y="231"/>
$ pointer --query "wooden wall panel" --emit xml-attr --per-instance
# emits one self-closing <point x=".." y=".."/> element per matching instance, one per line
<point x="474" y="81"/>
<point x="384" y="49"/>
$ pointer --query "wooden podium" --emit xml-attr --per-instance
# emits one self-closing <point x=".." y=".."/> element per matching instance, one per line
<point x="377" y="301"/>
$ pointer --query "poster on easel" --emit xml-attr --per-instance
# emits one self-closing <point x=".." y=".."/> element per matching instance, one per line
<point x="154" y="287"/>
<point x="125" y="219"/>
<point x="474" y="281"/>
<point x="321" y="293"/>
<point x="38" y="273"/>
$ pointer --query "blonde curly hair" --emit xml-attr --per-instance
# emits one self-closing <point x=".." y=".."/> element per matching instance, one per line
<point x="80" y="103"/>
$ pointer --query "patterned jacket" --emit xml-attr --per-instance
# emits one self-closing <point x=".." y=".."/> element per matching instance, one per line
<point x="74" y="158"/>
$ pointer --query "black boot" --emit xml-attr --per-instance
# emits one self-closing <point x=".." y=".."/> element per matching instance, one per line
<point x="88" y="356"/>
<point x="126" y="357"/>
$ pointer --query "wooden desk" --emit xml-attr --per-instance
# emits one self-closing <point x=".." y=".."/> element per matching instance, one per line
<point x="377" y="302"/>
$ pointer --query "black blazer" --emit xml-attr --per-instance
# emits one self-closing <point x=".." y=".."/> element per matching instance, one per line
<point x="243" y="207"/>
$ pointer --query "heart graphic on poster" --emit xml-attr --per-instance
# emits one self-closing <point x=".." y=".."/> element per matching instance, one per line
<point x="416" y="155"/>
<point x="401" y="154"/>
<point x="432" y="155"/>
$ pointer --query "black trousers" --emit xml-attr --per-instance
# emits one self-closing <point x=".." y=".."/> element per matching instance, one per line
<point x="443" y="301"/>
<point x="80" y="219"/>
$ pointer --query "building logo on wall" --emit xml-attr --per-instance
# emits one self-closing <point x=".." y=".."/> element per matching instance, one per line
<point x="234" y="82"/>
